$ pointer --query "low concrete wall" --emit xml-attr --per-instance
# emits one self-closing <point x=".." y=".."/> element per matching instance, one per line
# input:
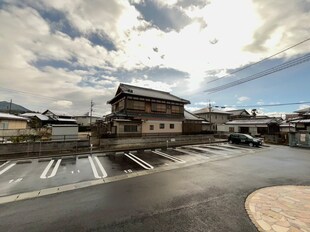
<point x="300" y="139"/>
<point x="11" y="150"/>
<point x="123" y="144"/>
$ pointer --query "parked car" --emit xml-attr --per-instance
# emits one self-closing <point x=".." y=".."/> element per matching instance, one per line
<point x="244" y="138"/>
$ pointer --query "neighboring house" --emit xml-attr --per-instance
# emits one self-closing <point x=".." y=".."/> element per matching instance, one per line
<point x="214" y="116"/>
<point x="254" y="126"/>
<point x="238" y="114"/>
<point x="301" y="136"/>
<point x="138" y="111"/>
<point x="59" y="117"/>
<point x="12" y="122"/>
<point x="37" y="120"/>
<point x="84" y="120"/>
<point x="287" y="126"/>
<point x="302" y="122"/>
<point x="193" y="124"/>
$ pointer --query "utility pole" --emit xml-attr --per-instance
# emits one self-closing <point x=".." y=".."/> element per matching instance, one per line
<point x="10" y="108"/>
<point x="91" y="111"/>
<point x="210" y="113"/>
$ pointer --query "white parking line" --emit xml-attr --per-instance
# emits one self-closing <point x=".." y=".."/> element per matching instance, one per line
<point x="43" y="175"/>
<point x="219" y="148"/>
<point x="55" y="169"/>
<point x="4" y="164"/>
<point x="139" y="161"/>
<point x="175" y="159"/>
<point x="104" y="173"/>
<point x="7" y="168"/>
<point x="210" y="150"/>
<point x="93" y="167"/>
<point x="18" y="180"/>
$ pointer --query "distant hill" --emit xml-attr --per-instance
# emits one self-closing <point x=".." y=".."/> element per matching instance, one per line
<point x="5" y="107"/>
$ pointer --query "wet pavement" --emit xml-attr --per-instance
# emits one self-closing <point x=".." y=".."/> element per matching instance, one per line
<point x="18" y="176"/>
<point x="209" y="196"/>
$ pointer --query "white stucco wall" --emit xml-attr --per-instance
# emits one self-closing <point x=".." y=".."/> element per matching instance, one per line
<point x="146" y="127"/>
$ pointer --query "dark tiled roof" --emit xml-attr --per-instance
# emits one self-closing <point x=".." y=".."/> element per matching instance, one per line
<point x="151" y="93"/>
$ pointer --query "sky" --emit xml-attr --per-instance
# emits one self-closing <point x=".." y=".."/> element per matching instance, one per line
<point x="60" y="55"/>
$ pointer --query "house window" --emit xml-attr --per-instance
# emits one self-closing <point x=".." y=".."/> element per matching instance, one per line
<point x="4" y="125"/>
<point x="171" y="126"/>
<point x="135" y="105"/>
<point x="215" y="116"/>
<point x="231" y="129"/>
<point x="151" y="127"/>
<point x="158" y="107"/>
<point x="162" y="126"/>
<point x="176" y="109"/>
<point x="130" y="128"/>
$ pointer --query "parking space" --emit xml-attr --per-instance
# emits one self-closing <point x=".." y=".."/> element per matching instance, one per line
<point x="35" y="174"/>
<point x="117" y="164"/>
<point x="216" y="149"/>
<point x="20" y="176"/>
<point x="154" y="159"/>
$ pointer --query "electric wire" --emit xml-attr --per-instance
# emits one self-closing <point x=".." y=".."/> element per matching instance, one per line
<point x="266" y="72"/>
<point x="255" y="63"/>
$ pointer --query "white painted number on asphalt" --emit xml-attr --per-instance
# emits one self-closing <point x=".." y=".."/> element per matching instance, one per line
<point x="15" y="181"/>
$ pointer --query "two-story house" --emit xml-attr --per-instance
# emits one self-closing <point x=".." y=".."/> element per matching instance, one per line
<point x="214" y="116"/>
<point x="138" y="111"/>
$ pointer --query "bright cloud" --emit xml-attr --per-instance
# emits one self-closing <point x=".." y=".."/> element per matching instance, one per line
<point x="243" y="99"/>
<point x="74" y="51"/>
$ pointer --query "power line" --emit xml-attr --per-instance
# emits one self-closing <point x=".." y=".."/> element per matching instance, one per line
<point x="266" y="72"/>
<point x="267" y="105"/>
<point x="255" y="63"/>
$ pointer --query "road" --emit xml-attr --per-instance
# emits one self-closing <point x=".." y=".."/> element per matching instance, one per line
<point x="205" y="197"/>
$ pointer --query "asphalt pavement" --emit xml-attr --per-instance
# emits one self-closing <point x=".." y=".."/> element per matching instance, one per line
<point x="206" y="197"/>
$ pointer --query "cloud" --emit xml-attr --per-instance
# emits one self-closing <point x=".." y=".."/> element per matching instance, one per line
<point x="243" y="99"/>
<point x="77" y="51"/>
<point x="205" y="103"/>
<point x="152" y="84"/>
<point x="280" y="25"/>
<point x="260" y="102"/>
<point x="303" y="106"/>
<point x="62" y="104"/>
<point x="163" y="17"/>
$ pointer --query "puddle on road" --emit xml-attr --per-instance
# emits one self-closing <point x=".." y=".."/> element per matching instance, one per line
<point x="68" y="161"/>
<point x="120" y="162"/>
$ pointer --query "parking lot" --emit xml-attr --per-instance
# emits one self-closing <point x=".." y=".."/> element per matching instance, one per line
<point x="17" y="176"/>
